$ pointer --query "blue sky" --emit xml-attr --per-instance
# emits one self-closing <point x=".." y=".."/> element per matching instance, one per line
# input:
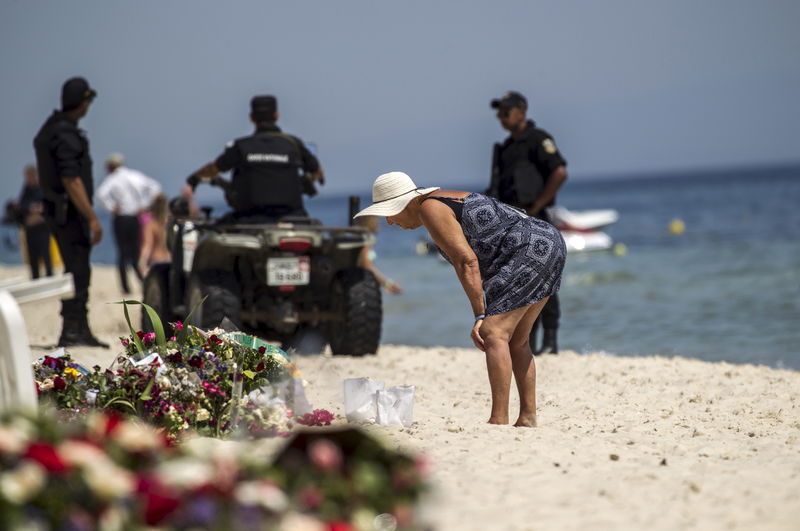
<point x="626" y="87"/>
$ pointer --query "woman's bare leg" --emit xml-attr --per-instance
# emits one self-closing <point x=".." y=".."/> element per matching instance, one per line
<point x="524" y="366"/>
<point x="496" y="332"/>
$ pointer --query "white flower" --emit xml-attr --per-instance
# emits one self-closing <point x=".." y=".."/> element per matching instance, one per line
<point x="46" y="385"/>
<point x="136" y="437"/>
<point x="164" y="382"/>
<point x="79" y="453"/>
<point x="203" y="414"/>
<point x="300" y="522"/>
<point x="107" y="480"/>
<point x="261" y="493"/>
<point x="22" y="483"/>
<point x="11" y="441"/>
<point x="186" y="473"/>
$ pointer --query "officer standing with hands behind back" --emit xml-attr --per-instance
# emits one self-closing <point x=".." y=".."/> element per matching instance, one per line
<point x="271" y="170"/>
<point x="527" y="172"/>
<point x="65" y="172"/>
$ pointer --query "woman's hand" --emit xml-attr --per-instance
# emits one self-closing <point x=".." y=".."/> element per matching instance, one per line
<point x="476" y="335"/>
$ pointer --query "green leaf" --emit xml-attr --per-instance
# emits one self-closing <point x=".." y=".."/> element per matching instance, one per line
<point x="146" y="393"/>
<point x="136" y="340"/>
<point x="183" y="333"/>
<point x="119" y="400"/>
<point x="155" y="320"/>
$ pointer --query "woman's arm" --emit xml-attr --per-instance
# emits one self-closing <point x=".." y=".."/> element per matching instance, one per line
<point x="449" y="236"/>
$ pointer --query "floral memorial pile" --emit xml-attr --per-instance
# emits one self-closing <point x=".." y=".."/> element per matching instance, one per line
<point x="209" y="382"/>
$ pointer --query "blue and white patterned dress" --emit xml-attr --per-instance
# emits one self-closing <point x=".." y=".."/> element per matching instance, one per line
<point x="521" y="258"/>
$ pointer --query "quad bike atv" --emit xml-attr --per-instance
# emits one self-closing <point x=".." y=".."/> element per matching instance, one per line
<point x="278" y="280"/>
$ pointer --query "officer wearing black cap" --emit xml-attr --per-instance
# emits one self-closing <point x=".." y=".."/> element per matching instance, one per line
<point x="527" y="172"/>
<point x="65" y="172"/>
<point x="271" y="170"/>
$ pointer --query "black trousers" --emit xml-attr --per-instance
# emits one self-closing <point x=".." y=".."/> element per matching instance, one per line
<point x="37" y="238"/>
<point x="73" y="243"/>
<point x="127" y="233"/>
<point x="551" y="313"/>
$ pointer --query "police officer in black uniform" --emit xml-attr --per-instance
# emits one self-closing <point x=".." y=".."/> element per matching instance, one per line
<point x="271" y="170"/>
<point x="527" y="171"/>
<point x="65" y="172"/>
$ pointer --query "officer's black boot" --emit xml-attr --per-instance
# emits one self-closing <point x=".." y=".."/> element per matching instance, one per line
<point x="70" y="332"/>
<point x="76" y="333"/>
<point x="549" y="343"/>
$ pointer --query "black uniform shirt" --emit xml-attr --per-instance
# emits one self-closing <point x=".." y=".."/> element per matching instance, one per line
<point x="266" y="169"/>
<point x="524" y="165"/>
<point x="62" y="150"/>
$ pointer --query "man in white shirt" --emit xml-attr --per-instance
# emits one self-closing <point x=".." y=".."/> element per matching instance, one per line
<point x="126" y="193"/>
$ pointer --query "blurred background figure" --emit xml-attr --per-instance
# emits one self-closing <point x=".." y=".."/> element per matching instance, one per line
<point x="154" y="236"/>
<point x="187" y="193"/>
<point x="37" y="235"/>
<point x="366" y="259"/>
<point x="126" y="193"/>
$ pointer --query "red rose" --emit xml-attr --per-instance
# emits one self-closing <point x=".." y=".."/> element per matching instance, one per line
<point x="46" y="455"/>
<point x="59" y="384"/>
<point x="260" y="367"/>
<point x="112" y="421"/>
<point x="338" y="525"/>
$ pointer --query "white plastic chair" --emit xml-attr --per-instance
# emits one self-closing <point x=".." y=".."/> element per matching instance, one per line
<point x="17" y="389"/>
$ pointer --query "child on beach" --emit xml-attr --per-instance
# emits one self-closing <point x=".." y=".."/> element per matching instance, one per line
<point x="154" y="236"/>
<point x="367" y="256"/>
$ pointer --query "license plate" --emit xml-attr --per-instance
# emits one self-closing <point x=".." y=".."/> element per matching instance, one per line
<point x="292" y="271"/>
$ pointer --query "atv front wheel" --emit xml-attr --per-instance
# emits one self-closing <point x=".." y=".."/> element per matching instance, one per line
<point x="156" y="295"/>
<point x="223" y="299"/>
<point x="356" y="296"/>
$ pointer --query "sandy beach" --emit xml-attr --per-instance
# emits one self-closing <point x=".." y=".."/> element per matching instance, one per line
<point x="622" y="443"/>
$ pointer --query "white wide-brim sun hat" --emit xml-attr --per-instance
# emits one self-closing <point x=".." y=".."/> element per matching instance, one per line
<point x="391" y="193"/>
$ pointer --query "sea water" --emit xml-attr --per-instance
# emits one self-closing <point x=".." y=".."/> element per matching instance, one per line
<point x="726" y="288"/>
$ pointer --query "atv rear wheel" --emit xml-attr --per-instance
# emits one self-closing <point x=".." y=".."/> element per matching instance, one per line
<point x="156" y="295"/>
<point x="223" y="299"/>
<point x="356" y="296"/>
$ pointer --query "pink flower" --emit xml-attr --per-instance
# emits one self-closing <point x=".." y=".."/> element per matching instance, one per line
<point x="149" y="337"/>
<point x="325" y="454"/>
<point x="177" y="325"/>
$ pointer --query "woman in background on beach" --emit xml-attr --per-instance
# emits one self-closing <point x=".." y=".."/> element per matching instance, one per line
<point x="366" y="258"/>
<point x="509" y="264"/>
<point x="154" y="236"/>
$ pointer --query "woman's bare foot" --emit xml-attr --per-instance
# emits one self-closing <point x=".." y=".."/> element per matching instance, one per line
<point x="526" y="421"/>
<point x="498" y="420"/>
